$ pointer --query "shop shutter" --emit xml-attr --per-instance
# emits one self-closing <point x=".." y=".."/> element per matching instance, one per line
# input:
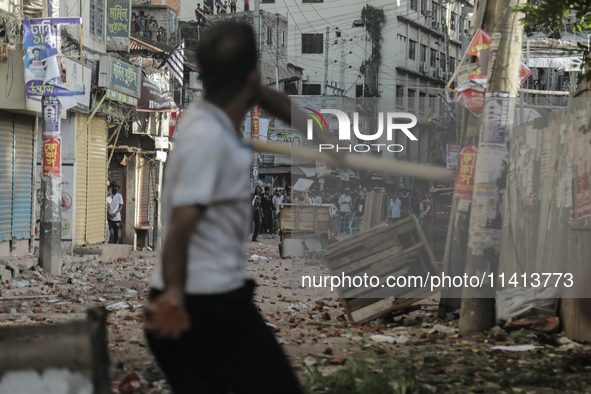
<point x="6" y="174"/>
<point x="91" y="181"/>
<point x="23" y="176"/>
<point x="81" y="180"/>
<point x="144" y="192"/>
<point x="97" y="182"/>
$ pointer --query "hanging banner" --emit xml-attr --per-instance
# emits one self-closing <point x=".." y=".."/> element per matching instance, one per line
<point x="465" y="175"/>
<point x="255" y="123"/>
<point x="480" y="41"/>
<point x="118" y="23"/>
<point x="155" y="97"/>
<point x="53" y="8"/>
<point x="471" y="99"/>
<point x="322" y="169"/>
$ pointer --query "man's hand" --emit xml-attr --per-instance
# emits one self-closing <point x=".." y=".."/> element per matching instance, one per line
<point x="166" y="316"/>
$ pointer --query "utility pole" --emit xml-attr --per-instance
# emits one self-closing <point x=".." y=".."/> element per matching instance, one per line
<point x="325" y="87"/>
<point x="364" y="51"/>
<point x="157" y="235"/>
<point x="50" y="235"/>
<point x="457" y="236"/>
<point x="342" y="82"/>
<point x="256" y="111"/>
<point x="486" y="221"/>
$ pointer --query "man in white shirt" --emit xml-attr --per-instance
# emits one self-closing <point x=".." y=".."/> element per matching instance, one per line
<point x="200" y="289"/>
<point x="395" y="208"/>
<point x="345" y="202"/>
<point x="109" y="200"/>
<point x="114" y="212"/>
<point x="277" y="199"/>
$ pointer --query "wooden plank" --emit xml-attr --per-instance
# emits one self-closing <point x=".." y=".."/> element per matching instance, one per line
<point x="387" y="305"/>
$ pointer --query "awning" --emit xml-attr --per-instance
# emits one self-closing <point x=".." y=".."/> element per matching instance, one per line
<point x="294" y="170"/>
<point x="137" y="45"/>
<point x="564" y="63"/>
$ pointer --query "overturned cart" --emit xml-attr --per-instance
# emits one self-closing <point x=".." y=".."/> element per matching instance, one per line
<point x="383" y="252"/>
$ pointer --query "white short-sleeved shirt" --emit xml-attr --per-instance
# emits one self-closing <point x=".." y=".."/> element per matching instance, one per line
<point x="116" y="202"/>
<point x="210" y="166"/>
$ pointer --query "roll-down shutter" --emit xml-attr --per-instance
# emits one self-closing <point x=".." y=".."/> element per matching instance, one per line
<point x="144" y="192"/>
<point x="91" y="181"/>
<point x="6" y="173"/>
<point x="23" y="176"/>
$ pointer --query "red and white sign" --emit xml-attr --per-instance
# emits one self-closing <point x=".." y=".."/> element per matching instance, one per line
<point x="52" y="156"/>
<point x="465" y="175"/>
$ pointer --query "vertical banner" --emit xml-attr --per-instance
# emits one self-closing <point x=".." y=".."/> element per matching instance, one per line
<point x="255" y="123"/>
<point x="465" y="175"/>
<point x="255" y="174"/>
<point x="452" y="151"/>
<point x="496" y="117"/>
<point x="51" y="137"/>
<point x="118" y="23"/>
<point x="53" y="8"/>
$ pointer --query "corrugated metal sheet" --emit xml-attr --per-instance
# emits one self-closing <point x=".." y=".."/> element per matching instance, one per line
<point x="144" y="192"/>
<point x="81" y="177"/>
<point x="97" y="181"/>
<point x="91" y="181"/>
<point x="23" y="180"/>
<point x="6" y="173"/>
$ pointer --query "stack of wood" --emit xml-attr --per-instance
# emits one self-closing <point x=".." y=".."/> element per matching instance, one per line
<point x="400" y="249"/>
<point x="300" y="223"/>
<point x="374" y="210"/>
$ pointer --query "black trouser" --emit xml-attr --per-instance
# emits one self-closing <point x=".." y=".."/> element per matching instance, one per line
<point x="232" y="8"/>
<point x="257" y="226"/>
<point x="115" y="228"/>
<point x="218" y="356"/>
<point x="268" y="221"/>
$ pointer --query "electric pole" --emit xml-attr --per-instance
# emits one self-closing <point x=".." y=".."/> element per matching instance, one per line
<point x="342" y="82"/>
<point x="457" y="236"/>
<point x="50" y="234"/>
<point x="325" y="65"/>
<point x="484" y="239"/>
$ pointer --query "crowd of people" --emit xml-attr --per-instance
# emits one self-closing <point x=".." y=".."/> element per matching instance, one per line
<point x="147" y="27"/>
<point x="346" y="206"/>
<point x="221" y="7"/>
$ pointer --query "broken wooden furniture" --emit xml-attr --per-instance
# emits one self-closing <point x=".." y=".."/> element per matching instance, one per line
<point x="78" y="346"/>
<point x="302" y="223"/>
<point x="399" y="249"/>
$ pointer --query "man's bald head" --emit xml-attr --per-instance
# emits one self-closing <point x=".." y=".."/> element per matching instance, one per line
<point x="226" y="55"/>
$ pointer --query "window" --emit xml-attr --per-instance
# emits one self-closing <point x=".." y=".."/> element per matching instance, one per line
<point x="424" y="7"/>
<point x="282" y="38"/>
<point x="399" y="96"/>
<point x="411" y="100"/>
<point x="97" y="17"/>
<point x="452" y="64"/>
<point x="413" y="4"/>
<point x="291" y="88"/>
<point x="401" y="38"/>
<point x="312" y="1"/>
<point x="269" y="36"/>
<point x="312" y="43"/>
<point x="422" y="100"/>
<point x="412" y="50"/>
<point x="434" y="9"/>
<point x="433" y="58"/>
<point x="442" y="60"/>
<point x="311" y="89"/>
<point x="423" y="53"/>
<point x="453" y="21"/>
<point x="358" y="90"/>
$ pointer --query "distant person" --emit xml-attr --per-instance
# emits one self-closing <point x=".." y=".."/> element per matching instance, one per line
<point x="114" y="215"/>
<point x="345" y="203"/>
<point x="394" y="208"/>
<point x="199" y="13"/>
<point x="109" y="200"/>
<point x="225" y="8"/>
<point x="246" y="5"/>
<point x="232" y="6"/>
<point x="404" y="204"/>
<point x="218" y="6"/>
<point x="267" y="206"/>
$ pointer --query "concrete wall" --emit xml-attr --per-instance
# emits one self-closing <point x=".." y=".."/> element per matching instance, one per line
<point x="12" y="74"/>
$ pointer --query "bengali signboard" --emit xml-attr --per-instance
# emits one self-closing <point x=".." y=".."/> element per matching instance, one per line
<point x="117" y="75"/>
<point x="155" y="97"/>
<point x="451" y="154"/>
<point x="118" y="24"/>
<point x="255" y="123"/>
<point x="465" y="175"/>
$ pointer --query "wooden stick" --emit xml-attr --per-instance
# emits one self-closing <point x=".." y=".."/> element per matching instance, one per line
<point x="400" y="168"/>
<point x="24" y="297"/>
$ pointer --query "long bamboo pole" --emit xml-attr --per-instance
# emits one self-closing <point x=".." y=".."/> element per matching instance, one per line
<point x="358" y="161"/>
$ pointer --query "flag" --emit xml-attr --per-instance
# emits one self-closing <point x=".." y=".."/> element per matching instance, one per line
<point x="175" y="61"/>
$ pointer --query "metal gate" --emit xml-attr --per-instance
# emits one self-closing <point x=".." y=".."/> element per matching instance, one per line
<point x="91" y="180"/>
<point x="16" y="175"/>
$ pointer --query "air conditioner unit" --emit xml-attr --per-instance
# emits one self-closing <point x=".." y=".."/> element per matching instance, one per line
<point x="428" y="13"/>
<point x="435" y="25"/>
<point x="438" y="73"/>
<point x="423" y="67"/>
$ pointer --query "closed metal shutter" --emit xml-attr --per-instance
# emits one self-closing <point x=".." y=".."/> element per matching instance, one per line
<point x="144" y="192"/>
<point x="81" y="180"/>
<point x="23" y="176"/>
<point x="6" y="174"/>
<point x="91" y="181"/>
<point x="97" y="181"/>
